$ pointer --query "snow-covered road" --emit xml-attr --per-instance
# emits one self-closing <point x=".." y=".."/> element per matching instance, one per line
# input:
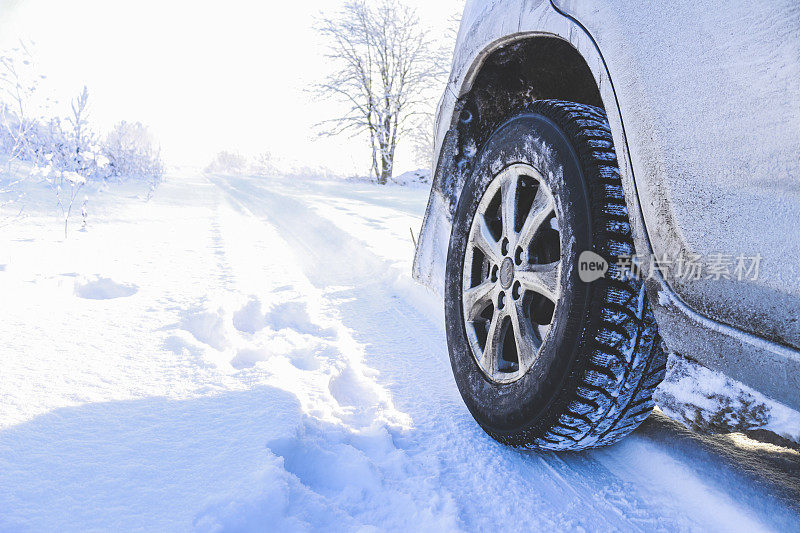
<point x="251" y="354"/>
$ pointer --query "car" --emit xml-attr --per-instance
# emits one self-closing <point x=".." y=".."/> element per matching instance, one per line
<point x="613" y="182"/>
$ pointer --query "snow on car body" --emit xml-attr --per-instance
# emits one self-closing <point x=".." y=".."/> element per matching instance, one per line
<point x="702" y="107"/>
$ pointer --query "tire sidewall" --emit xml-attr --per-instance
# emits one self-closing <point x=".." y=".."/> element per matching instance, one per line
<point x="506" y="409"/>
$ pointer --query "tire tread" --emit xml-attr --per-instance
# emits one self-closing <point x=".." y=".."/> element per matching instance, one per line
<point x="612" y="393"/>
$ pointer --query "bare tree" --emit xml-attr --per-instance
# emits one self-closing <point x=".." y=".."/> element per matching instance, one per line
<point x="386" y="64"/>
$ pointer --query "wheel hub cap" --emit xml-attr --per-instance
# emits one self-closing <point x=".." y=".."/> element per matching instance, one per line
<point x="512" y="273"/>
<point x="507" y="273"/>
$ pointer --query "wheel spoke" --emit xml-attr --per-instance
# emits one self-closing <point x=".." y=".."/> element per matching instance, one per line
<point x="484" y="241"/>
<point x="494" y="342"/>
<point x="477" y="298"/>
<point x="509" y="207"/>
<point x="524" y="336"/>
<point x="540" y="209"/>
<point x="542" y="279"/>
<point x="510" y="288"/>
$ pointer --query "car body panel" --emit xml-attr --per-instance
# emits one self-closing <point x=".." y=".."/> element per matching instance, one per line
<point x="711" y="101"/>
<point x="755" y="350"/>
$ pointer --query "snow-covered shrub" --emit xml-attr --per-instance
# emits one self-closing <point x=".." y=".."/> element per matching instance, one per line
<point x="31" y="134"/>
<point x="18" y="113"/>
<point x="132" y="153"/>
<point x="264" y="165"/>
<point x="18" y="84"/>
<point x="70" y="145"/>
<point x="64" y="152"/>
<point x="66" y="184"/>
<point x="226" y="162"/>
<point x="70" y="154"/>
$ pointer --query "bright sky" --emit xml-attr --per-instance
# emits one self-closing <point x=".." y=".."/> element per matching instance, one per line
<point x="205" y="76"/>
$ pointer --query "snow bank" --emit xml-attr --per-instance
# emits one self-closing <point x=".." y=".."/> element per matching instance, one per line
<point x="420" y="178"/>
<point x="414" y="178"/>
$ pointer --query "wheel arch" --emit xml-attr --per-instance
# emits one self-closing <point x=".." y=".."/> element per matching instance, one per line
<point x="556" y="60"/>
<point x="538" y="65"/>
<point x="505" y="76"/>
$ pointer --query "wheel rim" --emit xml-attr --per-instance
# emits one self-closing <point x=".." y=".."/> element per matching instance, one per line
<point x="511" y="273"/>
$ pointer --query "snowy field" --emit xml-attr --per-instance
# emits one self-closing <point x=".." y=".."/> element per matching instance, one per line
<point x="252" y="355"/>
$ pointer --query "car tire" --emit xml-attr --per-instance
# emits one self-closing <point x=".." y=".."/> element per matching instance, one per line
<point x="584" y="356"/>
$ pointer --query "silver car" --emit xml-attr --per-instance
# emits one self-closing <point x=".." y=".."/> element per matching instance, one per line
<point x="615" y="181"/>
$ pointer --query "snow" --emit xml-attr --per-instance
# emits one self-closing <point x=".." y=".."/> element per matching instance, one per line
<point x="413" y="178"/>
<point x="431" y="257"/>
<point x="73" y="177"/>
<point x="99" y="288"/>
<point x="418" y="178"/>
<point x="703" y="398"/>
<point x="664" y="298"/>
<point x="251" y="354"/>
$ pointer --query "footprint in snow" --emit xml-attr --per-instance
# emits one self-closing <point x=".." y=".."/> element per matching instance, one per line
<point x="179" y="345"/>
<point x="326" y="459"/>
<point x="207" y="324"/>
<point x="99" y="288"/>
<point x="301" y="353"/>
<point x="248" y="357"/>
<point x="308" y="358"/>
<point x="294" y="315"/>
<point x="251" y="318"/>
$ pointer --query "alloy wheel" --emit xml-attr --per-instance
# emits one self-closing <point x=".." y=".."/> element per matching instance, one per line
<point x="511" y="273"/>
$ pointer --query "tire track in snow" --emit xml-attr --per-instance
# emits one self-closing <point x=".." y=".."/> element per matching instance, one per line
<point x="746" y="472"/>
<point x="341" y="455"/>
<point x="491" y="484"/>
